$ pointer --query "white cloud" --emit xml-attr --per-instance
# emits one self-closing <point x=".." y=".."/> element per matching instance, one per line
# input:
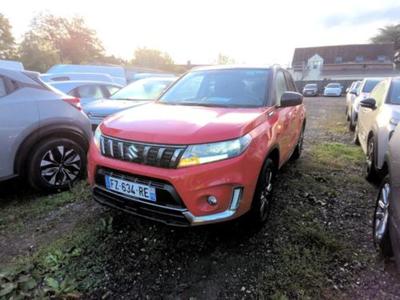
<point x="251" y="31"/>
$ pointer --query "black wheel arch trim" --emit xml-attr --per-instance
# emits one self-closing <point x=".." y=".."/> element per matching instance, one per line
<point x="61" y="130"/>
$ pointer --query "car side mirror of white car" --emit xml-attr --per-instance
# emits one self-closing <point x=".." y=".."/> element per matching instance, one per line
<point x="368" y="103"/>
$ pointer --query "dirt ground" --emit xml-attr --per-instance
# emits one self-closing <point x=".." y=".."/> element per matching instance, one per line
<point x="316" y="244"/>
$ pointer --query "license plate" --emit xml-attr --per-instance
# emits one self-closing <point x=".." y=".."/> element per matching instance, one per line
<point x="132" y="189"/>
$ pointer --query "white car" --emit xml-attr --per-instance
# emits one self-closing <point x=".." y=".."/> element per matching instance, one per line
<point x="333" y="89"/>
<point x="363" y="91"/>
<point x="48" y="77"/>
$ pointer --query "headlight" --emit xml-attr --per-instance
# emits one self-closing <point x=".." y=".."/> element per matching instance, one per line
<point x="205" y="153"/>
<point x="97" y="137"/>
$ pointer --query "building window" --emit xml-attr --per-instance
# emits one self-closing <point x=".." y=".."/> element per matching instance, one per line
<point x="338" y="60"/>
<point x="359" y="58"/>
<point x="381" y="58"/>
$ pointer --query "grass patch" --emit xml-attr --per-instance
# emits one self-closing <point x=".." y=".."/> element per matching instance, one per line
<point x="304" y="258"/>
<point x="14" y="215"/>
<point x="64" y="269"/>
<point x="338" y="155"/>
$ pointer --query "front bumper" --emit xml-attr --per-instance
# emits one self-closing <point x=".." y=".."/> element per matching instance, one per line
<point x="231" y="181"/>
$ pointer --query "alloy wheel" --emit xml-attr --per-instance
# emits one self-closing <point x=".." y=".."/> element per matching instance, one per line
<point x="60" y="165"/>
<point x="382" y="213"/>
<point x="265" y="195"/>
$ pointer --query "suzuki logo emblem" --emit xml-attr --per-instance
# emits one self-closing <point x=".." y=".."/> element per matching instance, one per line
<point x="132" y="152"/>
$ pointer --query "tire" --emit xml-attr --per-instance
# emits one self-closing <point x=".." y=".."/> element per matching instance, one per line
<point x="372" y="172"/>
<point x="352" y="123"/>
<point x="262" y="201"/>
<point x="356" y="140"/>
<point x="56" y="164"/>
<point x="299" y="147"/>
<point x="380" y="225"/>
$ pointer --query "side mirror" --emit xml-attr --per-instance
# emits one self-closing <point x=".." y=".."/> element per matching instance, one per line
<point x="291" y="99"/>
<point x="368" y="103"/>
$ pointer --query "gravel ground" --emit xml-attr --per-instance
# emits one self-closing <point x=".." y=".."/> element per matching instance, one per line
<point x="317" y="242"/>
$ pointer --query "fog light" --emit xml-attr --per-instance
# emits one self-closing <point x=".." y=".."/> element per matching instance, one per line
<point x="212" y="200"/>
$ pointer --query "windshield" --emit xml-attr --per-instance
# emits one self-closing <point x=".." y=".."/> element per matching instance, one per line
<point x="333" y="85"/>
<point x="310" y="86"/>
<point x="145" y="89"/>
<point x="227" y="88"/>
<point x="394" y="97"/>
<point x="369" y="85"/>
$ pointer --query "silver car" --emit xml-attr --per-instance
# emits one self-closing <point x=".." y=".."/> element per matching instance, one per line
<point x="386" y="224"/>
<point x="362" y="92"/>
<point x="377" y="118"/>
<point x="44" y="134"/>
<point x="137" y="93"/>
<point x="87" y="91"/>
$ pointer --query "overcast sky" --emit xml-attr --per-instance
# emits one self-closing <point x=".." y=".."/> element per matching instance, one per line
<point x="250" y="31"/>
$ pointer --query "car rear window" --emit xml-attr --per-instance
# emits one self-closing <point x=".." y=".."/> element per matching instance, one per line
<point x="394" y="97"/>
<point x="220" y="87"/>
<point x="369" y="85"/>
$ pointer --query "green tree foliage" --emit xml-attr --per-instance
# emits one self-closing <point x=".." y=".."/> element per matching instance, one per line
<point x="388" y="34"/>
<point x="152" y="58"/>
<point x="7" y="42"/>
<point x="53" y="39"/>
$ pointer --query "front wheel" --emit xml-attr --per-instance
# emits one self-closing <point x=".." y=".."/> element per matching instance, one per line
<point x="372" y="172"/>
<point x="262" y="201"/>
<point x="56" y="164"/>
<point x="381" y="220"/>
<point x="356" y="140"/>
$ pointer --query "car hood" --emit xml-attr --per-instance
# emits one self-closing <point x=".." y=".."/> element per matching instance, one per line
<point x="178" y="124"/>
<point x="105" y="107"/>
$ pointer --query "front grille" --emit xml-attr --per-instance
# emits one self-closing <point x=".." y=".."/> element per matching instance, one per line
<point x="164" y="156"/>
<point x="168" y="209"/>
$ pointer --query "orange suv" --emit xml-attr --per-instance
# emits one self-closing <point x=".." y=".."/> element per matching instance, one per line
<point x="206" y="151"/>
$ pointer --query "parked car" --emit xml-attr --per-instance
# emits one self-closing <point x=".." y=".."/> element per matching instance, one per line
<point x="379" y="114"/>
<point x="366" y="86"/>
<point x="350" y="96"/>
<point x="116" y="72"/>
<point x="137" y="93"/>
<point x="206" y="151"/>
<point x="11" y="64"/>
<point x="87" y="91"/>
<point x="386" y="223"/>
<point x="76" y="77"/>
<point x="333" y="89"/>
<point x="44" y="134"/>
<point x="310" y="89"/>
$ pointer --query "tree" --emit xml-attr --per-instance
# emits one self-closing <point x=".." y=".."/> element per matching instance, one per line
<point x="388" y="34"/>
<point x="224" y="59"/>
<point x="7" y="42"/>
<point x="152" y="58"/>
<point x="63" y="40"/>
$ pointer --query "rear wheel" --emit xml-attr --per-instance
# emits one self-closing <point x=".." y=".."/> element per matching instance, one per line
<point x="372" y="172"/>
<point x="381" y="220"/>
<point x="262" y="201"/>
<point x="56" y="164"/>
